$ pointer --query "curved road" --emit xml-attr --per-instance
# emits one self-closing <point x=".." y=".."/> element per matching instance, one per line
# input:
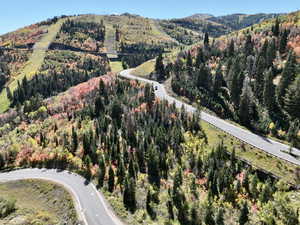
<point x="272" y="147"/>
<point x="91" y="206"/>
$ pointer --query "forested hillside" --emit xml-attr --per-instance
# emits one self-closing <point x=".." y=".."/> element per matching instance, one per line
<point x="251" y="77"/>
<point x="191" y="29"/>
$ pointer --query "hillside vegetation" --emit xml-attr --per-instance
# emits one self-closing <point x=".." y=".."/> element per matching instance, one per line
<point x="34" y="202"/>
<point x="251" y="77"/>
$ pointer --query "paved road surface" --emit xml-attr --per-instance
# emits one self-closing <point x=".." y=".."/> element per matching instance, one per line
<point x="91" y="205"/>
<point x="272" y="147"/>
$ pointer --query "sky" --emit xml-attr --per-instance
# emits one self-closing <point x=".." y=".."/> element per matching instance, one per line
<point x="19" y="13"/>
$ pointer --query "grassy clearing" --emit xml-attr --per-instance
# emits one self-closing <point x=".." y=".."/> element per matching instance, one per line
<point x="38" y="202"/>
<point x="144" y="69"/>
<point x="116" y="66"/>
<point x="33" y="65"/>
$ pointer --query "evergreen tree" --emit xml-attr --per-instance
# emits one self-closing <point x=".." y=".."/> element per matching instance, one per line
<point x="183" y="214"/>
<point x="74" y="140"/>
<point x="199" y="58"/>
<point x="283" y="41"/>
<point x="149" y="205"/>
<point x="292" y="99"/>
<point x="160" y="68"/>
<point x="121" y="172"/>
<point x="204" y="77"/>
<point x="253" y="186"/>
<point x="206" y="40"/>
<point x="230" y="51"/>
<point x="170" y="210"/>
<point x="244" y="214"/>
<point x="269" y="91"/>
<point x="233" y="83"/>
<point x="218" y="80"/>
<point x="99" y="106"/>
<point x="131" y="169"/>
<point x="111" y="179"/>
<point x="195" y="218"/>
<point x="271" y="53"/>
<point x="153" y="168"/>
<point x="275" y="28"/>
<point x="259" y="78"/>
<point x="116" y="113"/>
<point x="9" y="94"/>
<point x="208" y="217"/>
<point x="248" y="47"/>
<point x="220" y="217"/>
<point x="288" y="76"/>
<point x="189" y="60"/>
<point x="129" y="198"/>
<point x="102" y="171"/>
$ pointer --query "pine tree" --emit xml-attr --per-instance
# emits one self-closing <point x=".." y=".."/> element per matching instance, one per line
<point x="244" y="214"/>
<point x="102" y="171"/>
<point x="2" y="162"/>
<point x="153" y="168"/>
<point x="170" y="210"/>
<point x="131" y="169"/>
<point x="149" y="205"/>
<point x="220" y="217"/>
<point x="230" y="51"/>
<point x="275" y="28"/>
<point x="111" y="179"/>
<point x="253" y="186"/>
<point x="292" y="99"/>
<point x="183" y="214"/>
<point x="288" y="76"/>
<point x="189" y="60"/>
<point x="233" y="83"/>
<point x="269" y="91"/>
<point x="204" y="77"/>
<point x="206" y="40"/>
<point x="271" y="53"/>
<point x="259" y="78"/>
<point x="283" y="41"/>
<point x="99" y="106"/>
<point x="9" y="94"/>
<point x="74" y="140"/>
<point x="218" y="80"/>
<point x="245" y="103"/>
<point x="195" y="218"/>
<point x="208" y="217"/>
<point x="129" y="198"/>
<point x="121" y="172"/>
<point x="248" y="47"/>
<point x="160" y="68"/>
<point x="200" y="58"/>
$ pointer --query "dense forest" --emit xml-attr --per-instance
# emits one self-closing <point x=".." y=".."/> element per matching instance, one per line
<point x="139" y="53"/>
<point x="238" y="82"/>
<point x="81" y="35"/>
<point x="56" y="75"/>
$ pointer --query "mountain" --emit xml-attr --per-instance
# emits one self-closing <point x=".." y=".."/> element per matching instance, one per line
<point x="191" y="29"/>
<point x="240" y="21"/>
<point x="201" y="16"/>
